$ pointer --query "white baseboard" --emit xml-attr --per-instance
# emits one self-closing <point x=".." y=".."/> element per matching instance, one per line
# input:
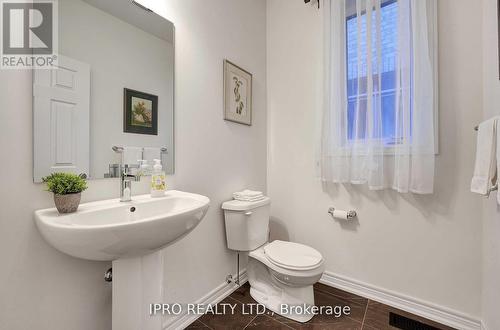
<point x="408" y="304"/>
<point x="213" y="297"/>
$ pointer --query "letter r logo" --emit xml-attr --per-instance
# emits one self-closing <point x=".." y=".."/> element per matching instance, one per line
<point x="27" y="27"/>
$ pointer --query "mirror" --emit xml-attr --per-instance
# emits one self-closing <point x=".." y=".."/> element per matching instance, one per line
<point x="109" y="100"/>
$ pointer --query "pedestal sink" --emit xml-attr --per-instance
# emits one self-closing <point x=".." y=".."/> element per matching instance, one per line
<point x="128" y="234"/>
<point x="110" y="230"/>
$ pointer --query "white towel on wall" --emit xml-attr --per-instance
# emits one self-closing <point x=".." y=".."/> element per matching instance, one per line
<point x="131" y="155"/>
<point x="498" y="159"/>
<point x="150" y="154"/>
<point x="486" y="158"/>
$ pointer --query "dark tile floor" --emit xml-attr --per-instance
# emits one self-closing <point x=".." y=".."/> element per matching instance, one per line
<point x="365" y="314"/>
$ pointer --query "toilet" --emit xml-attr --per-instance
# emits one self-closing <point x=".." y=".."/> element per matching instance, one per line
<point x="281" y="274"/>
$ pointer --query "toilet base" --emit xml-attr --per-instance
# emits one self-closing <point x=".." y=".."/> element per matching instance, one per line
<point x="275" y="304"/>
<point x="278" y="297"/>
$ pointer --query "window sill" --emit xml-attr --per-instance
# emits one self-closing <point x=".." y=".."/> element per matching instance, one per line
<point x="383" y="151"/>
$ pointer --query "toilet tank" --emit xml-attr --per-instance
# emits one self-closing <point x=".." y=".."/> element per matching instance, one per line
<point x="247" y="224"/>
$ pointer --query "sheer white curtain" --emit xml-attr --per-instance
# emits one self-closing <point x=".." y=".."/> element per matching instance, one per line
<point x="378" y="120"/>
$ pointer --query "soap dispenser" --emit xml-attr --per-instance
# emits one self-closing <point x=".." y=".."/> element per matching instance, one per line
<point x="158" y="185"/>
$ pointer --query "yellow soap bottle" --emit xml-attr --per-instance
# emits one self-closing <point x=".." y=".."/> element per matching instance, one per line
<point x="158" y="185"/>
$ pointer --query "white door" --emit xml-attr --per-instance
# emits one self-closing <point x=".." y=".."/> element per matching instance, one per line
<point x="61" y="116"/>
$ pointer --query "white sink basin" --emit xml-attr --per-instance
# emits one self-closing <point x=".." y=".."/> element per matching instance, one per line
<point x="110" y="230"/>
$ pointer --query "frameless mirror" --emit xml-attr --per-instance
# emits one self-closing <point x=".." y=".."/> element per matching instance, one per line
<point x="109" y="100"/>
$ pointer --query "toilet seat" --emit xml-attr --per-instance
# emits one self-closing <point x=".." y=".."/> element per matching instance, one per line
<point x="293" y="256"/>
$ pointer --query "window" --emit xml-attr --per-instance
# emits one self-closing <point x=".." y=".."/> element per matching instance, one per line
<point x="357" y="71"/>
<point x="379" y="124"/>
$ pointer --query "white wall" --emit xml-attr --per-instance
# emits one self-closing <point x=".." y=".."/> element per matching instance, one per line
<point x="120" y="56"/>
<point x="41" y="288"/>
<point x="213" y="157"/>
<point x="426" y="247"/>
<point x="491" y="212"/>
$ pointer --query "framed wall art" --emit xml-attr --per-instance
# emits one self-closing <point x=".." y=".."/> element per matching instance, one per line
<point x="237" y="94"/>
<point x="140" y="114"/>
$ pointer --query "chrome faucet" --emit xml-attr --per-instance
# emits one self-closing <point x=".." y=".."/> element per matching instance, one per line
<point x="126" y="183"/>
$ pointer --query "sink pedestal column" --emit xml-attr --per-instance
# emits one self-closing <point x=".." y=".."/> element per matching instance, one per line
<point x="137" y="283"/>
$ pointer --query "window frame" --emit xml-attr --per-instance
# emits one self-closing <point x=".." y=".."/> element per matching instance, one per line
<point x="351" y="145"/>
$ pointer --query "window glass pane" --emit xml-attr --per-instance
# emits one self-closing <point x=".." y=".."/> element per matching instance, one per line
<point x="357" y="70"/>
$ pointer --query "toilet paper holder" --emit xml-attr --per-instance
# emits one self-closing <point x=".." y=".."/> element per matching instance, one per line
<point x="350" y="214"/>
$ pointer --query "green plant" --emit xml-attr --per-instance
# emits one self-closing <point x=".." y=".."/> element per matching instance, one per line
<point x="65" y="183"/>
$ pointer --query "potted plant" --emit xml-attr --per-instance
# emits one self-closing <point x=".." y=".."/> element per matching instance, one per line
<point x="67" y="190"/>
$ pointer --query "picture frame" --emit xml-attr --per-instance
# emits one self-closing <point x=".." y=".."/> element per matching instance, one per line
<point x="237" y="94"/>
<point x="140" y="112"/>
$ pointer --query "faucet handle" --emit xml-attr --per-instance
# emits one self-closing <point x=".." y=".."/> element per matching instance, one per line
<point x="128" y="175"/>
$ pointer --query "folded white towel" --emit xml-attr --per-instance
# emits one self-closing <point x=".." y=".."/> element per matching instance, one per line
<point x="486" y="158"/>
<point x="248" y="194"/>
<point x="150" y="154"/>
<point x="250" y="199"/>
<point x="131" y="155"/>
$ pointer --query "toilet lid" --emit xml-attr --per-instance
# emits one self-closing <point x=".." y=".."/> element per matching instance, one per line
<point x="292" y="255"/>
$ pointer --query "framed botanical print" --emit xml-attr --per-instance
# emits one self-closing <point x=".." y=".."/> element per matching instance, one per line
<point x="140" y="114"/>
<point x="237" y="94"/>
